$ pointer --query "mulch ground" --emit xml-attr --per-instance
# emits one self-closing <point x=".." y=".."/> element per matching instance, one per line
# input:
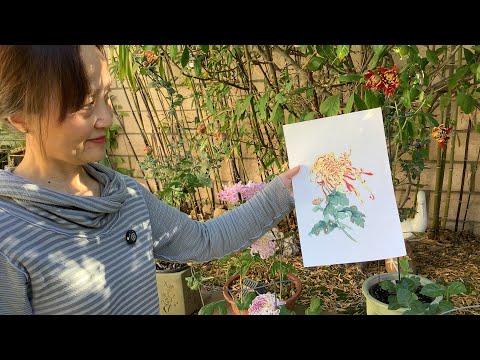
<point x="455" y="256"/>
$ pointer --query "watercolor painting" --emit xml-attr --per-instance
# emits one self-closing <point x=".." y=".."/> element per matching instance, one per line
<point x="344" y="198"/>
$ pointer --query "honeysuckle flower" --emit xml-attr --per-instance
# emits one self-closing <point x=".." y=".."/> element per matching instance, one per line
<point x="441" y="134"/>
<point x="265" y="246"/>
<point x="265" y="304"/>
<point x="383" y="79"/>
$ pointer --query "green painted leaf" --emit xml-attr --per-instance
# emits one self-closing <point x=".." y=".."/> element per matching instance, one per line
<point x="330" y="106"/>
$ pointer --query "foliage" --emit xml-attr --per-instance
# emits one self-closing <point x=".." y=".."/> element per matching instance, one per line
<point x="405" y="293"/>
<point x="242" y="95"/>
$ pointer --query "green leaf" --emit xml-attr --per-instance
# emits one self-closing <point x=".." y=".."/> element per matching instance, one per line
<point x="468" y="105"/>
<point x="454" y="79"/>
<point x="204" y="48"/>
<point x="455" y="288"/>
<point x="371" y="99"/>
<point x="469" y="57"/>
<point x="209" y="309"/>
<point x="161" y="70"/>
<point x="330" y="106"/>
<point x="406" y="99"/>
<point x="348" y="106"/>
<point x="359" y="103"/>
<point x="185" y="57"/>
<point x="432" y="57"/>
<point x="342" y="51"/>
<point x="350" y="78"/>
<point x="173" y="51"/>
<point x="315" y="306"/>
<point x="315" y="63"/>
<point x="405" y="297"/>
<point x="310" y="115"/>
<point x="198" y="67"/>
<point x="433" y="290"/>
<point x="444" y="305"/>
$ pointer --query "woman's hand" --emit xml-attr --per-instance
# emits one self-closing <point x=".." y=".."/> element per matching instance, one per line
<point x="287" y="178"/>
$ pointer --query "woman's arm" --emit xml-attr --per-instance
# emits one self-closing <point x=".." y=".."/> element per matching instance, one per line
<point x="176" y="237"/>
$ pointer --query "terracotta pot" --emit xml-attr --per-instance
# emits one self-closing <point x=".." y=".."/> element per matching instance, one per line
<point x="290" y="302"/>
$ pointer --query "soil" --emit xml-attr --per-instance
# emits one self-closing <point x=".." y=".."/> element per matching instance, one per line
<point x="382" y="295"/>
<point x="455" y="256"/>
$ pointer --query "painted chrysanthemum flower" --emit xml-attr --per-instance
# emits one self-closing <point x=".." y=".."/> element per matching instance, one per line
<point x="265" y="304"/>
<point x="332" y="173"/>
<point x="383" y="79"/>
<point x="441" y="134"/>
<point x="265" y="246"/>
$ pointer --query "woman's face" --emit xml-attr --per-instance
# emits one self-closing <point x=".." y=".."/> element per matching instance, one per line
<point x="80" y="138"/>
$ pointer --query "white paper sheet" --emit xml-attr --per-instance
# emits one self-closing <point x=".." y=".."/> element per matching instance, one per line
<point x="345" y="176"/>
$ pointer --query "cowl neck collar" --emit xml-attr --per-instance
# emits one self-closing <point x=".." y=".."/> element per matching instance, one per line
<point x="68" y="210"/>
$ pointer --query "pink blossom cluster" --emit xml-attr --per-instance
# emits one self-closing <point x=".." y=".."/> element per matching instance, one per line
<point x="240" y="192"/>
<point x="265" y="304"/>
<point x="265" y="246"/>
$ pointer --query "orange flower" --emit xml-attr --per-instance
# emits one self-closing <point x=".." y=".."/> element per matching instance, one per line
<point x="383" y="79"/>
<point x="441" y="134"/>
<point x="151" y="57"/>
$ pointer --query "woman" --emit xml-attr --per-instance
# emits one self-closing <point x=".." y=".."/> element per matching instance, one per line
<point x="77" y="237"/>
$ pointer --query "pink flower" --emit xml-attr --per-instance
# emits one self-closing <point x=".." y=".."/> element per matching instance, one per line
<point x="265" y="246"/>
<point x="239" y="192"/>
<point x="265" y="304"/>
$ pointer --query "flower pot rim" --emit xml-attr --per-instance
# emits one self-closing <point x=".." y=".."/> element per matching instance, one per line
<point x="377" y="278"/>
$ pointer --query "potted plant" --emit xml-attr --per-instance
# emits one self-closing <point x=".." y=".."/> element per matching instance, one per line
<point x="176" y="298"/>
<point x="257" y="271"/>
<point x="404" y="293"/>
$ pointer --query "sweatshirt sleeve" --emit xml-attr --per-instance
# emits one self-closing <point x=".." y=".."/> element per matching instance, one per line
<point x="178" y="238"/>
<point x="13" y="290"/>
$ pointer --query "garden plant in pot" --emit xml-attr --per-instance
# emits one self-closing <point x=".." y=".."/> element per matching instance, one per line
<point x="257" y="280"/>
<point x="407" y="294"/>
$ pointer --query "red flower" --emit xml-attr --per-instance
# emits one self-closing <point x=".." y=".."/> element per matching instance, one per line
<point x="440" y="134"/>
<point x="383" y="79"/>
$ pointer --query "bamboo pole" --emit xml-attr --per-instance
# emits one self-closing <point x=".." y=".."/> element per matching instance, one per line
<point x="452" y="154"/>
<point x="465" y="158"/>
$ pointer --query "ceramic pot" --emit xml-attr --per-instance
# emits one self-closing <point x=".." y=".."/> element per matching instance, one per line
<point x="375" y="307"/>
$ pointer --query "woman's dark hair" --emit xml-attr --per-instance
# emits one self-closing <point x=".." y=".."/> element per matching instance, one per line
<point x="31" y="76"/>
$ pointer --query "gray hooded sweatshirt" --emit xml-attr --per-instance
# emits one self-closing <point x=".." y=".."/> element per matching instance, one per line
<point x="66" y="254"/>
